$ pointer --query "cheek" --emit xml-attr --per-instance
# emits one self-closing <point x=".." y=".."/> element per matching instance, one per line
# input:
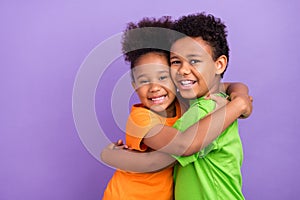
<point x="169" y="87"/>
<point x="173" y="78"/>
<point x="205" y="73"/>
<point x="172" y="91"/>
<point x="173" y="70"/>
<point x="142" y="91"/>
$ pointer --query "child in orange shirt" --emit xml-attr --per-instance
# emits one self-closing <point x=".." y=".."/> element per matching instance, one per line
<point x="156" y="91"/>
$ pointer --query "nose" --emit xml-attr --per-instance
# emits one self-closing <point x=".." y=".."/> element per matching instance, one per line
<point x="184" y="69"/>
<point x="154" y="87"/>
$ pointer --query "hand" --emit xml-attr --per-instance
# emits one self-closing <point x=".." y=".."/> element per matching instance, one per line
<point x="246" y="101"/>
<point x="220" y="101"/>
<point x="118" y="145"/>
<point x="248" y="109"/>
<point x="236" y="94"/>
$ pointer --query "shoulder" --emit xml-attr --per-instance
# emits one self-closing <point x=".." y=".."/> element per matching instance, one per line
<point x="141" y="115"/>
<point x="139" y="108"/>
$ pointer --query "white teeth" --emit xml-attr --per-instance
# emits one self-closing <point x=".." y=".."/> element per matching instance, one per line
<point x="158" y="98"/>
<point x="186" y="82"/>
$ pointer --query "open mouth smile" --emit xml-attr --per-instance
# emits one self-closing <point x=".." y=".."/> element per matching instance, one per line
<point x="186" y="83"/>
<point x="158" y="100"/>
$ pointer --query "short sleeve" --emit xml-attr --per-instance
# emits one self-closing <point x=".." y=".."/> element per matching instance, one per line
<point x="190" y="117"/>
<point x="197" y="111"/>
<point x="185" y="160"/>
<point x="139" y="123"/>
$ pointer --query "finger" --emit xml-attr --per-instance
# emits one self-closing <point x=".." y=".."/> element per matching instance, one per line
<point x="120" y="147"/>
<point x="207" y="97"/>
<point x="221" y="101"/>
<point x="119" y="142"/>
<point x="213" y="97"/>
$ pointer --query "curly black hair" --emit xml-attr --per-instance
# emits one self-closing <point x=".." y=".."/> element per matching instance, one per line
<point x="148" y="35"/>
<point x="209" y="28"/>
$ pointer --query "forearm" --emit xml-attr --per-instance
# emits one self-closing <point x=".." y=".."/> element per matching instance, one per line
<point x="237" y="87"/>
<point x="197" y="136"/>
<point x="134" y="161"/>
<point x="209" y="128"/>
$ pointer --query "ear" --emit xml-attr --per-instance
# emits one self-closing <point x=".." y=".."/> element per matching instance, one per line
<point x="221" y="64"/>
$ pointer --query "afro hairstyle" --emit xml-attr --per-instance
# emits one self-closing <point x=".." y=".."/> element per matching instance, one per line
<point x="148" y="35"/>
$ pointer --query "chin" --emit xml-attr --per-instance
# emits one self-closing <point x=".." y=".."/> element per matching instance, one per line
<point x="157" y="109"/>
<point x="188" y="95"/>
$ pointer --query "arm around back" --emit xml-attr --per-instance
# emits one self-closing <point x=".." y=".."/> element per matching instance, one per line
<point x="135" y="161"/>
<point x="170" y="140"/>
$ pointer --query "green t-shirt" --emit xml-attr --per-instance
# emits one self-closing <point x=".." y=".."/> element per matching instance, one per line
<point x="214" y="173"/>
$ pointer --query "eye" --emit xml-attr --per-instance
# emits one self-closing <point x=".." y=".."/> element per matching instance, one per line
<point x="175" y="62"/>
<point x="161" y="78"/>
<point x="142" y="82"/>
<point x="193" y="62"/>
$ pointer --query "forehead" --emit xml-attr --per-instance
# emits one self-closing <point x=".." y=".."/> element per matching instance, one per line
<point x="151" y="64"/>
<point x="150" y="68"/>
<point x="191" y="46"/>
<point x="151" y="58"/>
<point x="150" y="71"/>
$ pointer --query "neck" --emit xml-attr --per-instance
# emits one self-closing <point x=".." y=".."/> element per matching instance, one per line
<point x="215" y="88"/>
<point x="169" y="112"/>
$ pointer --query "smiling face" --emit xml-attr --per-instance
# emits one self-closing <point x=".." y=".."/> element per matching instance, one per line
<point x="153" y="83"/>
<point x="193" y="70"/>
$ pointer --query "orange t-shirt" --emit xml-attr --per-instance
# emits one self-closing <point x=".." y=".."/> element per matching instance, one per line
<point x="137" y="186"/>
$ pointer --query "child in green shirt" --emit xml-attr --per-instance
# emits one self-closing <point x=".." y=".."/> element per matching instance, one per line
<point x="198" y="64"/>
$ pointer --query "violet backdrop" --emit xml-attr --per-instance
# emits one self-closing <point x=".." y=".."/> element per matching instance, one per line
<point x="44" y="43"/>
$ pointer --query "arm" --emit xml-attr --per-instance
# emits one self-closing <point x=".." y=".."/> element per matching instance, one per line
<point x="234" y="90"/>
<point x="135" y="161"/>
<point x="199" y="135"/>
<point x="191" y="141"/>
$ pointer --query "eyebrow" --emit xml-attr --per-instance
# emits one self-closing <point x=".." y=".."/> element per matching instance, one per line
<point x="194" y="55"/>
<point x="140" y="76"/>
<point x="164" y="71"/>
<point x="172" y="57"/>
<point x="188" y="56"/>
<point x="159" y="72"/>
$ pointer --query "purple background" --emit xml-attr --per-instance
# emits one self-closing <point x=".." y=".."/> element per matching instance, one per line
<point x="42" y="45"/>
